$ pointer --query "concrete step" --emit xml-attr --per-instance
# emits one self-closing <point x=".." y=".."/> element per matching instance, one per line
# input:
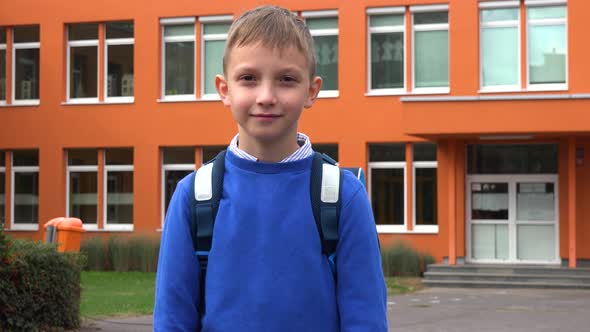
<point x="506" y="277"/>
<point x="500" y="284"/>
<point x="509" y="269"/>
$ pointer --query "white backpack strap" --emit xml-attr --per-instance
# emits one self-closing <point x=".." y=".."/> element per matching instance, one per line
<point x="203" y="183"/>
<point x="330" y="183"/>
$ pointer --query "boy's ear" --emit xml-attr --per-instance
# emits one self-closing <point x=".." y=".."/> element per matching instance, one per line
<point x="314" y="88"/>
<point x="222" y="89"/>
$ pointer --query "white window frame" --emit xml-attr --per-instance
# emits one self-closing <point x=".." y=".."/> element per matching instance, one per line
<point x="114" y="169"/>
<point x="186" y="38"/>
<point x="81" y="169"/>
<point x="503" y="24"/>
<point x="170" y="167"/>
<point x="81" y="43"/>
<point x="421" y="228"/>
<point x="21" y="169"/>
<point x="546" y="22"/>
<point x="3" y="196"/>
<point x="378" y="30"/>
<point x="325" y="32"/>
<point x="429" y="27"/>
<point x="116" y="42"/>
<point x="383" y="228"/>
<point x="210" y="37"/>
<point x="22" y="46"/>
<point x="3" y="47"/>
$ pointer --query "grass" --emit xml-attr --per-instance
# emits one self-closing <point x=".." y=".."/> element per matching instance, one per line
<point x="117" y="293"/>
<point x="106" y="294"/>
<point x="403" y="285"/>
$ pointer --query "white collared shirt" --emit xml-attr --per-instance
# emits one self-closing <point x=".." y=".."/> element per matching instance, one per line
<point x="303" y="152"/>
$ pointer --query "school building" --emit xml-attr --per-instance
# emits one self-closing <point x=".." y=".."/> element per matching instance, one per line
<point x="471" y="118"/>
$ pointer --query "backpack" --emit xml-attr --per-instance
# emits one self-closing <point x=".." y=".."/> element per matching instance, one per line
<point x="326" y="179"/>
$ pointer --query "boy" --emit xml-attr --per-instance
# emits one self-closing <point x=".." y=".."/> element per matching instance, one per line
<point x="266" y="269"/>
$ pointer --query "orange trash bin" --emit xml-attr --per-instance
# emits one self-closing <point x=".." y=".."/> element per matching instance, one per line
<point x="69" y="235"/>
<point x="50" y="229"/>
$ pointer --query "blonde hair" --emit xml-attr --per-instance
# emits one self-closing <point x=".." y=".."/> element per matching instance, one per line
<point x="274" y="27"/>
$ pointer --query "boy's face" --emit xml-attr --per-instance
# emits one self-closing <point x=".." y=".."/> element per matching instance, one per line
<point x="266" y="90"/>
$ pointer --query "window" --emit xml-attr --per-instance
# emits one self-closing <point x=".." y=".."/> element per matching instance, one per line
<point x="501" y="45"/>
<point x="2" y="187"/>
<point x="425" y="187"/>
<point x="211" y="151"/>
<point x="2" y="65"/>
<point x="323" y="26"/>
<point x="82" y="177"/>
<point x="387" y="52"/>
<point x="178" y="58"/>
<point x="25" y="190"/>
<point x="119" y="189"/>
<point x="119" y="59"/>
<point x="430" y="48"/>
<point x="177" y="163"/>
<point x="26" y="64"/>
<point x="387" y="185"/>
<point x="214" y="31"/>
<point x="84" y="58"/>
<point x="327" y="148"/>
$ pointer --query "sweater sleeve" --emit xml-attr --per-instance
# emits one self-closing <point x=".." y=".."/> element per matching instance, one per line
<point x="177" y="278"/>
<point x="361" y="290"/>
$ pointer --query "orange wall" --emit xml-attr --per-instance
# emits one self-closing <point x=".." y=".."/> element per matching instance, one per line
<point x="352" y="120"/>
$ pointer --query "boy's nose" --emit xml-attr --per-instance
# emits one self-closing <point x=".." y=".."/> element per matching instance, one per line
<point x="266" y="95"/>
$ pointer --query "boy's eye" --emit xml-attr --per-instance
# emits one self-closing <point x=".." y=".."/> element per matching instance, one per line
<point x="288" y="79"/>
<point x="247" y="78"/>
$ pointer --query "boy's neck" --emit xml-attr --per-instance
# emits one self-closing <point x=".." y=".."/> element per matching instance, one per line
<point x="270" y="152"/>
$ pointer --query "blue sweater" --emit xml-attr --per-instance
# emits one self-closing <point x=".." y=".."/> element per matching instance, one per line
<point x="266" y="270"/>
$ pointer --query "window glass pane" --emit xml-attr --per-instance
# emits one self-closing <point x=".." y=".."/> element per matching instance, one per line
<point x="83" y="72"/>
<point x="535" y="201"/>
<point x="535" y="242"/>
<point x="213" y="63"/>
<point x="536" y="13"/>
<point x="2" y="158"/>
<point x="79" y="157"/>
<point x="500" y="56"/>
<point x="512" y="159"/>
<point x="386" y="20"/>
<point x="2" y="35"/>
<point x="489" y="241"/>
<point x="179" y="155"/>
<point x="83" y="31"/>
<point x="209" y="152"/>
<point x="547" y="54"/>
<point x="26" y="34"/>
<point x="326" y="48"/>
<point x="120" y="30"/>
<point x="426" y="208"/>
<point x="387" y="152"/>
<point x="432" y="59"/>
<point x="119" y="156"/>
<point x="180" y="68"/>
<point x="495" y="15"/>
<point x="120" y="70"/>
<point x="431" y="18"/>
<point x="216" y="28"/>
<point x="2" y="74"/>
<point x="329" y="149"/>
<point x="179" y="30"/>
<point x="387" y="60"/>
<point x="26" y="197"/>
<point x="27" y="74"/>
<point x="25" y="158"/>
<point x="2" y="196"/>
<point x="120" y="197"/>
<point x="171" y="180"/>
<point x="83" y="196"/>
<point x="387" y="196"/>
<point x="424" y="151"/>
<point x="489" y="201"/>
<point x="322" y="23"/>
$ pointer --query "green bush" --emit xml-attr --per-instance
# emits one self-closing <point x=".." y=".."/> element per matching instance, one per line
<point x="39" y="287"/>
<point x="403" y="260"/>
<point x="136" y="253"/>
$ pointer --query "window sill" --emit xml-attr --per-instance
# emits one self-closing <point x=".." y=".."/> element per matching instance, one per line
<point x="23" y="228"/>
<point x="530" y="88"/>
<point x="177" y="100"/>
<point x="107" y="229"/>
<point x="21" y="103"/>
<point x="329" y="94"/>
<point x="402" y="229"/>
<point x="386" y="92"/>
<point x="210" y="97"/>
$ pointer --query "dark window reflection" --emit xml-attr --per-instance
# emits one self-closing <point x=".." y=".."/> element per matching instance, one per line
<point x="387" y="196"/>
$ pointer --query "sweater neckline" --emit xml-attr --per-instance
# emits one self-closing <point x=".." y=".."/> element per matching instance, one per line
<point x="268" y="168"/>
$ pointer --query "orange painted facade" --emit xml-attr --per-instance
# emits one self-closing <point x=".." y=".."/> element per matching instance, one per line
<point x="353" y="120"/>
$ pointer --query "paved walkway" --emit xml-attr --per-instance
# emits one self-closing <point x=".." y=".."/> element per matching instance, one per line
<point x="453" y="309"/>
